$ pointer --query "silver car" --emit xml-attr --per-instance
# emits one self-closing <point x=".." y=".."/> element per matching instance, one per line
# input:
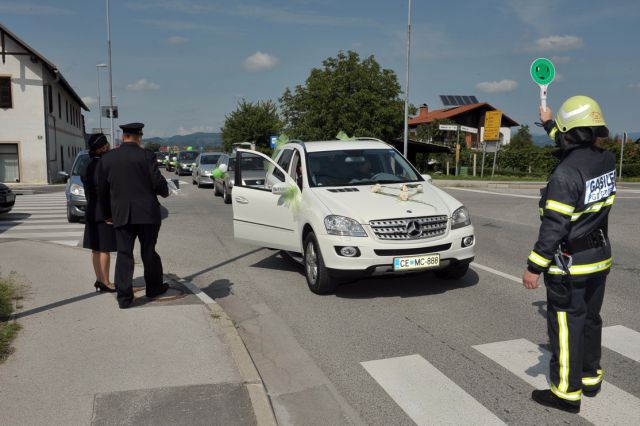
<point x="205" y="164"/>
<point x="76" y="201"/>
<point x="253" y="173"/>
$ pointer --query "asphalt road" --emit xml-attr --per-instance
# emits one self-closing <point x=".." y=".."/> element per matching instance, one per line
<point x="407" y="350"/>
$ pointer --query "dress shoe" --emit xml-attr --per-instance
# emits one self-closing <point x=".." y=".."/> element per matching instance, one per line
<point x="161" y="290"/>
<point x="549" y="399"/>
<point x="103" y="288"/>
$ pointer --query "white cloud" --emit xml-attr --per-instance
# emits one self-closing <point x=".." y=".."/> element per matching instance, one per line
<point x="177" y="40"/>
<point x="558" y="43"/>
<point x="196" y="129"/>
<point x="142" y="85"/>
<point x="561" y="59"/>
<point x="21" y="8"/>
<point x="260" y="61"/>
<point x="497" y="86"/>
<point x="89" y="101"/>
<point x="634" y="86"/>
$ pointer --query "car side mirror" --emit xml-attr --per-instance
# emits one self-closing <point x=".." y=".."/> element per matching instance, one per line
<point x="64" y="175"/>
<point x="428" y="178"/>
<point x="280" y="188"/>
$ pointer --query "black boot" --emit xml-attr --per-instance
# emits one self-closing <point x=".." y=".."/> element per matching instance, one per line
<point x="549" y="399"/>
<point x="591" y="392"/>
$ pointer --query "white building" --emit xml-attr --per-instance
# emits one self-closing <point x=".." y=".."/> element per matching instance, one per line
<point x="41" y="121"/>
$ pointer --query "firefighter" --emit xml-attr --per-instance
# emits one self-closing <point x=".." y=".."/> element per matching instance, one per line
<point x="573" y="251"/>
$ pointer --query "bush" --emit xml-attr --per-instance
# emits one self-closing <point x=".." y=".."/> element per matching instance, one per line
<point x="11" y="292"/>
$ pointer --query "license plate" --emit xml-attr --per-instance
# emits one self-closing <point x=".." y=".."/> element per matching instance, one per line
<point x="416" y="262"/>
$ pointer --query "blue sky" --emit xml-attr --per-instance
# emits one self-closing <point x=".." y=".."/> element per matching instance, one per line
<point x="181" y="65"/>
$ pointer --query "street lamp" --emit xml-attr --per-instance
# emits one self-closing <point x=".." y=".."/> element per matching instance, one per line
<point x="110" y="72"/>
<point x="98" y="66"/>
<point x="406" y="94"/>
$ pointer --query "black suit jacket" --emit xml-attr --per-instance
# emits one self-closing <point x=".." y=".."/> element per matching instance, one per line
<point x="90" y="178"/>
<point x="129" y="185"/>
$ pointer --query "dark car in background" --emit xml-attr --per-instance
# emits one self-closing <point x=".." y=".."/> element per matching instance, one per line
<point x="74" y="191"/>
<point x="7" y="198"/>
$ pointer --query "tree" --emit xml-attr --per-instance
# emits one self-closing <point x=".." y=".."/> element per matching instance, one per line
<point x="522" y="138"/>
<point x="152" y="146"/>
<point x="349" y="94"/>
<point x="252" y="122"/>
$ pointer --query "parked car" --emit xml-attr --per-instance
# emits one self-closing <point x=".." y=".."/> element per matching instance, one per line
<point x="162" y="159"/>
<point x="185" y="160"/>
<point x="74" y="191"/>
<point x="351" y="210"/>
<point x="205" y="164"/>
<point x="7" y="198"/>
<point x="254" y="174"/>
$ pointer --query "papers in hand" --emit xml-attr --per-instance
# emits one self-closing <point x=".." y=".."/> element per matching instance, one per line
<point x="173" y="188"/>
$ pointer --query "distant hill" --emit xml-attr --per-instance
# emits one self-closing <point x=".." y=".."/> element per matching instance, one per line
<point x="194" y="139"/>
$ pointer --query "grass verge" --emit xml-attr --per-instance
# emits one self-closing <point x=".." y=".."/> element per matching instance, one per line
<point x="12" y="292"/>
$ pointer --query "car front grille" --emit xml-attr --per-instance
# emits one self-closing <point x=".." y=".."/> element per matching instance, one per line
<point x="417" y="228"/>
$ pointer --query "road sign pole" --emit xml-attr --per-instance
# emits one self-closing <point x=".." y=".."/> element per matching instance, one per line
<point x="624" y="141"/>
<point x="484" y="152"/>
<point x="406" y="95"/>
<point x="495" y="156"/>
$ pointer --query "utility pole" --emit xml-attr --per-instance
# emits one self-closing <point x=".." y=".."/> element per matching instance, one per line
<point x="98" y="66"/>
<point x="624" y="141"/>
<point x="110" y="74"/>
<point x="406" y="94"/>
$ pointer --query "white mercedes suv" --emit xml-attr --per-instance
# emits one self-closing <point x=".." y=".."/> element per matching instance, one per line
<point x="351" y="209"/>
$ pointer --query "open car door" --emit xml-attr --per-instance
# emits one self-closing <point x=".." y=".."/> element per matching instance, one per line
<point x="262" y="215"/>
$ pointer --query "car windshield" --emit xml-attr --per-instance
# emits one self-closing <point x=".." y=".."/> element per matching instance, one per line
<point x="209" y="159"/>
<point x="80" y="165"/>
<point x="248" y="163"/>
<point x="188" y="156"/>
<point x="359" y="167"/>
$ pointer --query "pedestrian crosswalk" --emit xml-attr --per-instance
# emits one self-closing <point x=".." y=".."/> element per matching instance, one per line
<point x="426" y="393"/>
<point x="41" y="217"/>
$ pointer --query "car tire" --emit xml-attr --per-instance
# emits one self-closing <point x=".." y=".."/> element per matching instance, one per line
<point x="318" y="278"/>
<point x="225" y="195"/>
<point x="71" y="217"/>
<point x="453" y="272"/>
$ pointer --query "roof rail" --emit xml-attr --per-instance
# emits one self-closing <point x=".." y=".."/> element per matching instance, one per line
<point x="366" y="138"/>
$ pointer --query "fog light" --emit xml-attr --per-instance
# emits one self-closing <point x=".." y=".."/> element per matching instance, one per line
<point x="348" y="251"/>
<point x="467" y="241"/>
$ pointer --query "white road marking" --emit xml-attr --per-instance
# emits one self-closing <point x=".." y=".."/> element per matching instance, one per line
<point x="204" y="297"/>
<point x="535" y="197"/>
<point x="37" y="216"/>
<point x="530" y="362"/>
<point x="496" y="272"/>
<point x="623" y="340"/>
<point x="40" y="235"/>
<point x="30" y="220"/>
<point x="426" y="395"/>
<point x="39" y="227"/>
<point x="20" y="209"/>
<point x="70" y="243"/>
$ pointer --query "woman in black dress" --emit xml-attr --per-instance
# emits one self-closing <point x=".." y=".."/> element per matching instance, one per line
<point x="99" y="236"/>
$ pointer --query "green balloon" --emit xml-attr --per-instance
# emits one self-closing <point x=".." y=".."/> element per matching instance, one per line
<point x="217" y="173"/>
<point x="542" y="71"/>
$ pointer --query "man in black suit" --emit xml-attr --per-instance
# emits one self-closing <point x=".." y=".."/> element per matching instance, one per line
<point x="128" y="188"/>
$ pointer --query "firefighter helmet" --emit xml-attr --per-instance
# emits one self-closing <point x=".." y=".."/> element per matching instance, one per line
<point x="579" y="111"/>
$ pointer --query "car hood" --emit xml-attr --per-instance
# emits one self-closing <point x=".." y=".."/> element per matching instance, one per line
<point x="207" y="167"/>
<point x="362" y="204"/>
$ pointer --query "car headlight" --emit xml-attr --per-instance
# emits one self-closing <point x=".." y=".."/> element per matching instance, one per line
<point x="76" y="189"/>
<point x="344" y="226"/>
<point x="207" y="173"/>
<point x="460" y="218"/>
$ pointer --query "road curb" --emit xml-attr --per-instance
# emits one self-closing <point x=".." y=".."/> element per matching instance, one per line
<point x="487" y="184"/>
<point x="260" y="401"/>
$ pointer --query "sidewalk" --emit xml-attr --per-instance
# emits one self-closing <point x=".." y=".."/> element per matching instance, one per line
<point x="80" y="360"/>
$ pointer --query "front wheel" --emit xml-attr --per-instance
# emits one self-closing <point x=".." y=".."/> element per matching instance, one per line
<point x="453" y="272"/>
<point x="317" y="274"/>
<point x="71" y="217"/>
<point x="216" y="191"/>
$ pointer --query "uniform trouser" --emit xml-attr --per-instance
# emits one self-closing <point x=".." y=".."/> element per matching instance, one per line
<point x="126" y="236"/>
<point x="575" y="333"/>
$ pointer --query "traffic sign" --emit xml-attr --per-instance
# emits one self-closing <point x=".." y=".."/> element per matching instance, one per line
<point x="106" y="111"/>
<point x="274" y="141"/>
<point x="542" y="71"/>
<point x="469" y="129"/>
<point x="492" y="120"/>
<point x="451" y="127"/>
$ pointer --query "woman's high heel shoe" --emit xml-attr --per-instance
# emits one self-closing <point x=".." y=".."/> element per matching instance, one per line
<point x="103" y="288"/>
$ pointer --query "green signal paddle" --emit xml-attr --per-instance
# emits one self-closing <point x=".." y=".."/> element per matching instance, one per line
<point x="542" y="73"/>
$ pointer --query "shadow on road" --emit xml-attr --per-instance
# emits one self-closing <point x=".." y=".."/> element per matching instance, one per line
<point x="541" y="305"/>
<point x="56" y="304"/>
<point x="424" y="284"/>
<point x="223" y="263"/>
<point x="218" y="289"/>
<point x="279" y="262"/>
<point x="10" y="220"/>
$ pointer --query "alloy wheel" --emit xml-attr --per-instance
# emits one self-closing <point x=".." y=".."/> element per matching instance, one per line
<point x="311" y="262"/>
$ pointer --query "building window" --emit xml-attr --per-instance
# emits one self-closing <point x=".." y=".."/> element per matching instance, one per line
<point x="50" y="99"/>
<point x="59" y="106"/>
<point x="9" y="163"/>
<point x="66" y="108"/>
<point x="5" y="93"/>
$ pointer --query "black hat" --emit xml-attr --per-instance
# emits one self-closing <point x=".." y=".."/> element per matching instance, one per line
<point x="97" y="141"/>
<point x="132" y="129"/>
